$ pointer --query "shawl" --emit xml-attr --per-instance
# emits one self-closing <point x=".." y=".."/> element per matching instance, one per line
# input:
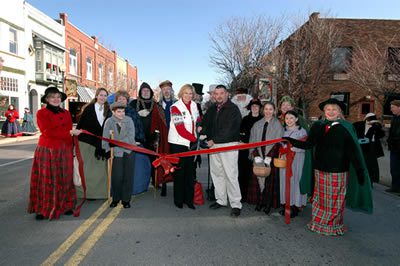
<point x="274" y="131"/>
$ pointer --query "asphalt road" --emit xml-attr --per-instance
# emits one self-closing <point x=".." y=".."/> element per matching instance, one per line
<point x="155" y="232"/>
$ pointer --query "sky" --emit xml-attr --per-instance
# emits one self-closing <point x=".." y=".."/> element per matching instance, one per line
<point x="169" y="39"/>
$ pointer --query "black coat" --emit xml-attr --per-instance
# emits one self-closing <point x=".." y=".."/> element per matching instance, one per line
<point x="88" y="121"/>
<point x="222" y="126"/>
<point x="375" y="132"/>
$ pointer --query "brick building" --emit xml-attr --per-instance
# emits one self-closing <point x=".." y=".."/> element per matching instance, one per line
<point x="132" y="80"/>
<point x="337" y="82"/>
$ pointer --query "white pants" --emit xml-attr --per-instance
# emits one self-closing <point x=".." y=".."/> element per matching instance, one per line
<point x="224" y="173"/>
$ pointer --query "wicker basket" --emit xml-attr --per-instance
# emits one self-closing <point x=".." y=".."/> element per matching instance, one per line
<point x="280" y="163"/>
<point x="261" y="171"/>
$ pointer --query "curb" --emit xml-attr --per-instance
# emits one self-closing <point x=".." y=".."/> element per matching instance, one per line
<point x="5" y="140"/>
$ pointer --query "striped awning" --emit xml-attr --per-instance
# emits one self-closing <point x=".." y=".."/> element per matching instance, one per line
<point x="85" y="94"/>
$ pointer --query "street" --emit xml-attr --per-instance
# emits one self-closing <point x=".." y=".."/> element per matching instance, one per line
<point x="155" y="232"/>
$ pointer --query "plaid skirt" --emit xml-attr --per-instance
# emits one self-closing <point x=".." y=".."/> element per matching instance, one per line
<point x="52" y="191"/>
<point x="328" y="203"/>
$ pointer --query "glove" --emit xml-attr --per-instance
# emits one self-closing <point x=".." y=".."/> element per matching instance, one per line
<point x="288" y="139"/>
<point x="193" y="146"/>
<point x="98" y="153"/>
<point x="203" y="144"/>
<point x="360" y="177"/>
<point x="267" y="160"/>
<point x="258" y="160"/>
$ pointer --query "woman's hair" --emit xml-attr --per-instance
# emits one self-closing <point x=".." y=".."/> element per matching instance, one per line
<point x="341" y="116"/>
<point x="269" y="103"/>
<point x="121" y="93"/>
<point x="11" y="105"/>
<point x="183" y="88"/>
<point x="94" y="100"/>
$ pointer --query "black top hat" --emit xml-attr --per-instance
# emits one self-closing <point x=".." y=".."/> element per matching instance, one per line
<point x="198" y="88"/>
<point x="52" y="89"/>
<point x="253" y="101"/>
<point x="332" y="101"/>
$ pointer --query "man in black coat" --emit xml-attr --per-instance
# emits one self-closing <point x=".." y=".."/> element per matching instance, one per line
<point x="222" y="128"/>
<point x="394" y="146"/>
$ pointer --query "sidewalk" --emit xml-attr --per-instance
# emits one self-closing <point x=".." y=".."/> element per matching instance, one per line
<point x="4" y="140"/>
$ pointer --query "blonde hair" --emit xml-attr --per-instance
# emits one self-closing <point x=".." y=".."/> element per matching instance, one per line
<point x="340" y="115"/>
<point x="183" y="88"/>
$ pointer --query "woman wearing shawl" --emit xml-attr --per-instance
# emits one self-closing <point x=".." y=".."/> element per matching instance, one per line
<point x="264" y="191"/>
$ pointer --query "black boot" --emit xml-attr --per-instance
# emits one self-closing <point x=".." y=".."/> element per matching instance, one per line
<point x="164" y="190"/>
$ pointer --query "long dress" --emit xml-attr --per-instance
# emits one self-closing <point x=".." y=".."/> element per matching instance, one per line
<point x="296" y="198"/>
<point x="265" y="193"/>
<point x="28" y="127"/>
<point x="245" y="165"/>
<point x="95" y="169"/>
<point x="52" y="191"/>
<point x="11" y="126"/>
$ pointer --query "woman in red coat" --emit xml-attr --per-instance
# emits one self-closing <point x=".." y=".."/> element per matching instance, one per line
<point x="52" y="191"/>
<point x="11" y="125"/>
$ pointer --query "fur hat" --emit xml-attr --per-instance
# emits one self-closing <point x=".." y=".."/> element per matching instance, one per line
<point x="332" y="101"/>
<point x="52" y="89"/>
<point x="165" y="83"/>
<point x="117" y="105"/>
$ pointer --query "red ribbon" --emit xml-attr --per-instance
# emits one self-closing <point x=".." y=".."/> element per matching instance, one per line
<point x="166" y="160"/>
<point x="288" y="174"/>
<point x="78" y="155"/>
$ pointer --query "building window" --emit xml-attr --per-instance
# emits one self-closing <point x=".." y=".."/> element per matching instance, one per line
<point x="366" y="107"/>
<point x="89" y="74"/>
<point x="110" y="77"/>
<point x="341" y="59"/>
<point x="343" y="97"/>
<point x="13" y="41"/>
<point x="100" y="73"/>
<point x="73" y="59"/>
<point x="9" y="84"/>
<point x="394" y="60"/>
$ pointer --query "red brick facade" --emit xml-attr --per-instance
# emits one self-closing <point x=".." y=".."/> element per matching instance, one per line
<point x="132" y="80"/>
<point x="357" y="31"/>
<point x="88" y="48"/>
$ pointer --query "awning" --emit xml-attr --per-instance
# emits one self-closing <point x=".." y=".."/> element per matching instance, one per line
<point x="85" y="94"/>
<point x="47" y="40"/>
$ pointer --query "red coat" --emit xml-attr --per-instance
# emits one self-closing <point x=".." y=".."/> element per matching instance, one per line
<point x="55" y="128"/>
<point x="11" y="115"/>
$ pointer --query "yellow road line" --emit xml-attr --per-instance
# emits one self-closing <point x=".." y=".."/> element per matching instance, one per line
<point x="56" y="255"/>
<point x="84" y="249"/>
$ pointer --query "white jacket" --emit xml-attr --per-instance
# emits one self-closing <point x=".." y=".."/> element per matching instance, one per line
<point x="189" y="121"/>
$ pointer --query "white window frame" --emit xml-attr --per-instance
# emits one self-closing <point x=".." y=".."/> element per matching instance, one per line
<point x="13" y="42"/>
<point x="89" y="68"/>
<point x="101" y="67"/>
<point x="73" y="62"/>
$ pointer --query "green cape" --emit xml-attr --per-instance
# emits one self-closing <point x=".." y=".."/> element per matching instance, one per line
<point x="357" y="196"/>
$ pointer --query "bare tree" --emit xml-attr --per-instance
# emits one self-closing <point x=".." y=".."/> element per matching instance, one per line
<point x="239" y="48"/>
<point x="376" y="70"/>
<point x="303" y="60"/>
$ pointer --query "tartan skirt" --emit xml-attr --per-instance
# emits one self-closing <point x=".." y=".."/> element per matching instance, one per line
<point x="52" y="191"/>
<point x="328" y="203"/>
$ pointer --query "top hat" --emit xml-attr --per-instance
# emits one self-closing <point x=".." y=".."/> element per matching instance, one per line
<point x="332" y="101"/>
<point x="52" y="89"/>
<point x="198" y="88"/>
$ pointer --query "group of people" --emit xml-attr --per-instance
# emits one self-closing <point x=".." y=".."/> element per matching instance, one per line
<point x="330" y="160"/>
<point x="11" y="126"/>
